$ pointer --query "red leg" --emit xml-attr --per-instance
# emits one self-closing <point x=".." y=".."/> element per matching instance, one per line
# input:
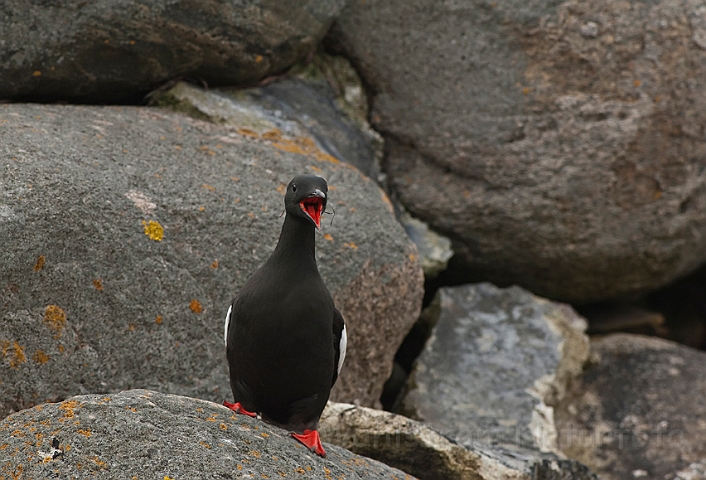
<point x="312" y="441"/>
<point x="238" y="408"/>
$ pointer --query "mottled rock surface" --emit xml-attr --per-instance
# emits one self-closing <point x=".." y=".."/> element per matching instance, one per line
<point x="129" y="230"/>
<point x="145" y="434"/>
<point x="108" y="51"/>
<point x="421" y="451"/>
<point x="497" y="363"/>
<point x="294" y="106"/>
<point x="639" y="412"/>
<point x="559" y="144"/>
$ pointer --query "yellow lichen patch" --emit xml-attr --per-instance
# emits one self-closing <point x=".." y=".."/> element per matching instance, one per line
<point x="214" y="265"/>
<point x="40" y="357"/>
<point x="282" y="189"/>
<point x="327" y="236"/>
<point x="167" y="477"/>
<point x="258" y="59"/>
<point x="300" y="470"/>
<point x="68" y="408"/>
<point x="212" y="418"/>
<point x="18" y="433"/>
<point x="4" y="446"/>
<point x="153" y="230"/>
<point x="275" y="134"/>
<point x="327" y="158"/>
<point x="351" y="245"/>
<point x="98" y="284"/>
<point x="39" y="263"/>
<point x="85" y="432"/>
<point x="55" y="318"/>
<point x="131" y="327"/>
<point x="204" y="444"/>
<point x="265" y="434"/>
<point x="223" y="426"/>
<point x="255" y="453"/>
<point x="37" y="73"/>
<point x="386" y="201"/>
<point x="289" y="146"/>
<point x="412" y="257"/>
<point x="201" y="209"/>
<point x="196" y="306"/>
<point x="208" y="187"/>
<point x="158" y="320"/>
<point x="16" y="353"/>
<point x="248" y="133"/>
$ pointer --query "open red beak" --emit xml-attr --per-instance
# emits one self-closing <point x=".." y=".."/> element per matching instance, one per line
<point x="314" y="207"/>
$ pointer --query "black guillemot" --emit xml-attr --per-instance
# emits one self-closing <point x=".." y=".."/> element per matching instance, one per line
<point x="285" y="339"/>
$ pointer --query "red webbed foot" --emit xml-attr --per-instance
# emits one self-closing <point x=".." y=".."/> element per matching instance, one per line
<point x="312" y="441"/>
<point x="238" y="408"/>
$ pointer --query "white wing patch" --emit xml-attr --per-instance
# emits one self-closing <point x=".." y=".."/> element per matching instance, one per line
<point x="342" y="348"/>
<point x="225" y="330"/>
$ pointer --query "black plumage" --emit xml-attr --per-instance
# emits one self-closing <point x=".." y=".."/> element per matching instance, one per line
<point x="285" y="339"/>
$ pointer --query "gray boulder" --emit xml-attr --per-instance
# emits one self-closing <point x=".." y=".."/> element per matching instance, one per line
<point x="109" y="51"/>
<point x="639" y="412"/>
<point x="145" y="434"/>
<point x="415" y="448"/>
<point x="128" y="231"/>
<point x="496" y="365"/>
<point x="560" y="144"/>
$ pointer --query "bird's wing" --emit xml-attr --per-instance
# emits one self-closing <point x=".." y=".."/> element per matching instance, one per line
<point x="340" y="340"/>
<point x="227" y="325"/>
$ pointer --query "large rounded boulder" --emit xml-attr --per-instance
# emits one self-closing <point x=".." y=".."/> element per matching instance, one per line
<point x="112" y="51"/>
<point x="559" y="144"/>
<point x="127" y="231"/>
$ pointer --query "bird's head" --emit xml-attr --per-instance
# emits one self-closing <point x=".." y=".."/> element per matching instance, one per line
<point x="306" y="197"/>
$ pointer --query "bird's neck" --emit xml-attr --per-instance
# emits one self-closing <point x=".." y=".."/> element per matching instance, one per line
<point x="297" y="244"/>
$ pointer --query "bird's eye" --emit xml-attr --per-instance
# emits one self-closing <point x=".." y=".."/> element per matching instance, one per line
<point x="294" y="188"/>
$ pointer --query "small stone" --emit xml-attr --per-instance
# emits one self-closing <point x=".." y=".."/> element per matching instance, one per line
<point x="589" y="30"/>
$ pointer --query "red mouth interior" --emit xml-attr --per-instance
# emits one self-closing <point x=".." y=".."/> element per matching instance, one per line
<point x="313" y="206"/>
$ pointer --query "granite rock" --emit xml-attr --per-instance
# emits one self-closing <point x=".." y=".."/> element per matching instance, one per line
<point x="130" y="229"/>
<point x="497" y="363"/>
<point x="146" y="434"/>
<point x="559" y="144"/>
<point x="107" y="51"/>
<point x="418" y="449"/>
<point x="639" y="411"/>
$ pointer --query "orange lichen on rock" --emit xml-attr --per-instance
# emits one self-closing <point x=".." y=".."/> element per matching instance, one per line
<point x="40" y="263"/>
<point x="98" y="284"/>
<point x="55" y="318"/>
<point x="68" y="408"/>
<point x="85" y="432"/>
<point x="214" y="265"/>
<point x="153" y="230"/>
<point x="275" y="134"/>
<point x="158" y="320"/>
<point x="327" y="236"/>
<point x="248" y="133"/>
<point x="40" y="357"/>
<point x="282" y="189"/>
<point x="196" y="306"/>
<point x="351" y="245"/>
<point x="16" y="353"/>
